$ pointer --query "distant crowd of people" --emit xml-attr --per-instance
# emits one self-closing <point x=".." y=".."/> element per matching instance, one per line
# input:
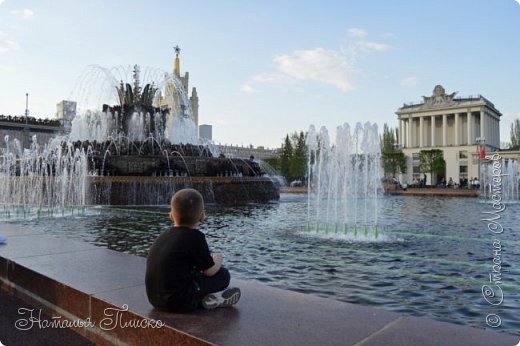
<point x="30" y="120"/>
<point x="416" y="182"/>
<point x="472" y="183"/>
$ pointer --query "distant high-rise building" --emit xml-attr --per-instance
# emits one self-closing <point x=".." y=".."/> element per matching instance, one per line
<point x="65" y="113"/>
<point x="206" y="132"/>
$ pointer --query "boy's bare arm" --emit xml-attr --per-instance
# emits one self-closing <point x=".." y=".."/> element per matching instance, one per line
<point x="217" y="258"/>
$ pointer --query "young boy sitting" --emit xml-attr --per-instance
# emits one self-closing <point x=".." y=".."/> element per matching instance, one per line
<point x="181" y="274"/>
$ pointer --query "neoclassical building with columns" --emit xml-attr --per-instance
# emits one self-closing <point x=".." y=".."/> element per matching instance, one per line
<point x="455" y="125"/>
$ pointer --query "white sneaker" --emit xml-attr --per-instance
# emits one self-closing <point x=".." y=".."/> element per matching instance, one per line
<point x="229" y="296"/>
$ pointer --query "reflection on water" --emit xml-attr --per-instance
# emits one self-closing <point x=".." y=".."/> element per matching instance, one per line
<point x="431" y="259"/>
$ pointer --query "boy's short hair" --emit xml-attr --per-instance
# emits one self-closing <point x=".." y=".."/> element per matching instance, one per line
<point x="187" y="204"/>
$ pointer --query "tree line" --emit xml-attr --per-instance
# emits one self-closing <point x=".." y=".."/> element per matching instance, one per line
<point x="292" y="162"/>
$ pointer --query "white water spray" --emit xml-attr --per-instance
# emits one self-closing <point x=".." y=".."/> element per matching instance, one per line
<point x="344" y="180"/>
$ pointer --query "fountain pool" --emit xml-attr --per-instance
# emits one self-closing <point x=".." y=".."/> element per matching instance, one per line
<point x="432" y="256"/>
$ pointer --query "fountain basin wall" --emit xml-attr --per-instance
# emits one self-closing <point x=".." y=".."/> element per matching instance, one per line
<point x="143" y="190"/>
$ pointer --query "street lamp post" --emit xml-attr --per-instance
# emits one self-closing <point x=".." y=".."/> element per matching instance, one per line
<point x="25" y="141"/>
<point x="26" y="107"/>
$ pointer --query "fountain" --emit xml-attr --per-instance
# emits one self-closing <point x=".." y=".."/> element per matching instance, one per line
<point x="136" y="152"/>
<point x="509" y="179"/>
<point x="344" y="181"/>
<point x="43" y="177"/>
<point x="160" y="109"/>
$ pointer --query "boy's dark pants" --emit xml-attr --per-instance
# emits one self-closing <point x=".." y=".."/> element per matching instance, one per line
<point x="202" y="286"/>
<point x="211" y="284"/>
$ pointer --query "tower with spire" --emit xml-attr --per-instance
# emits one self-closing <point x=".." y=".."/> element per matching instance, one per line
<point x="168" y="99"/>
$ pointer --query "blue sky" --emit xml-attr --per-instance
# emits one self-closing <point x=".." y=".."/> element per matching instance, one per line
<point x="266" y="68"/>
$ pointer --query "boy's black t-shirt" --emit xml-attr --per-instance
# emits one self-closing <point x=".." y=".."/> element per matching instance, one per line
<point x="173" y="260"/>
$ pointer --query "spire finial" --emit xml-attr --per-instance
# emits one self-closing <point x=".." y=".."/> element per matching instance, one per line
<point x="177" y="64"/>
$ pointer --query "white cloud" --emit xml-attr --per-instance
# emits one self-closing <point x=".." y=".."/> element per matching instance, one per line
<point x="25" y="13"/>
<point x="336" y="67"/>
<point x="356" y="32"/>
<point x="6" y="44"/>
<point x="510" y="116"/>
<point x="408" y="81"/>
<point x="247" y="88"/>
<point x="1" y="1"/>
<point x="318" y="64"/>
<point x="518" y="2"/>
<point x="4" y="69"/>
<point x="287" y="83"/>
<point x="266" y="77"/>
<point x="276" y="78"/>
<point x="371" y="46"/>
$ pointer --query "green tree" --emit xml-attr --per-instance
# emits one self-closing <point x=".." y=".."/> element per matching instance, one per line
<point x="515" y="134"/>
<point x="298" y="161"/>
<point x="285" y="157"/>
<point x="393" y="159"/>
<point x="293" y="156"/>
<point x="394" y="162"/>
<point x="388" y="139"/>
<point x="431" y="161"/>
<point x="275" y="163"/>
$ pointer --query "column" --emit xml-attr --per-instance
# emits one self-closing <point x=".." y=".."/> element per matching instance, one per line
<point x="444" y="129"/>
<point x="487" y="121"/>
<point x="497" y="122"/>
<point x="470" y="129"/>
<point x="456" y="128"/>
<point x="496" y="133"/>
<point x="490" y="128"/>
<point x="405" y="138"/>
<point x="492" y="118"/>
<point x="433" y="130"/>
<point x="421" y="131"/>
<point x="409" y="132"/>
<point x="483" y="124"/>
<point x="400" y="139"/>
